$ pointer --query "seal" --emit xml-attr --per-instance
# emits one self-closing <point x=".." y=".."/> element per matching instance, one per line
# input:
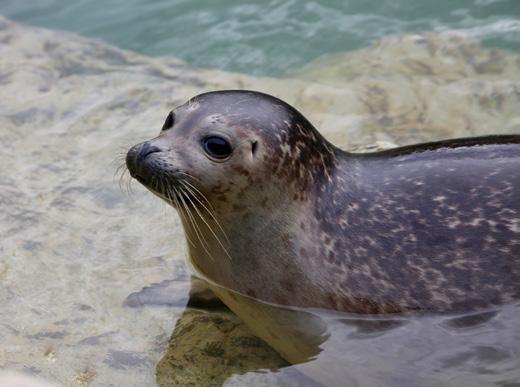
<point x="273" y="211"/>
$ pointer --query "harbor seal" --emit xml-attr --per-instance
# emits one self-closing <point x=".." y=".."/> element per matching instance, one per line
<point x="273" y="211"/>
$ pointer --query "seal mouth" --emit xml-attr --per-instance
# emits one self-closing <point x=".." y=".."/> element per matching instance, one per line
<point x="178" y="188"/>
<point x="171" y="187"/>
<point x="140" y="179"/>
<point x="143" y="163"/>
<point x="143" y="175"/>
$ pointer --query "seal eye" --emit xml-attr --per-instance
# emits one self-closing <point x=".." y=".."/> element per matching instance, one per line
<point x="169" y="122"/>
<point x="217" y="147"/>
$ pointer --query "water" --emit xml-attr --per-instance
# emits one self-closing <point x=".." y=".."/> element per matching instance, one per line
<point x="328" y="348"/>
<point x="266" y="37"/>
<point x="338" y="349"/>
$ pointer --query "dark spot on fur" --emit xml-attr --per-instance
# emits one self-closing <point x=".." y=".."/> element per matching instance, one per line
<point x="287" y="285"/>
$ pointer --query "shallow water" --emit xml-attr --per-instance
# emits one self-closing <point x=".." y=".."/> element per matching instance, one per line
<point x="338" y="349"/>
<point x="74" y="245"/>
<point x="266" y="37"/>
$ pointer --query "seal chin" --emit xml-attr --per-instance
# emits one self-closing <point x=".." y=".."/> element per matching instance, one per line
<point x="159" y="186"/>
<point x="144" y="164"/>
<point x="140" y="179"/>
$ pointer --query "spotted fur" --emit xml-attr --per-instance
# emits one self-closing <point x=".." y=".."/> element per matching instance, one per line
<point x="426" y="227"/>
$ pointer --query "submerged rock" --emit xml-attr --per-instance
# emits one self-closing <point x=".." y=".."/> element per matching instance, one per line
<point x="207" y="348"/>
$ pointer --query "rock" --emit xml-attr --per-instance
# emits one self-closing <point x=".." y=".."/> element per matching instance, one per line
<point x="15" y="379"/>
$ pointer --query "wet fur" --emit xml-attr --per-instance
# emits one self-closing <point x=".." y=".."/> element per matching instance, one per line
<point x="425" y="227"/>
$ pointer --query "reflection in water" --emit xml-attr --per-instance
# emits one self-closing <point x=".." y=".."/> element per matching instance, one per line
<point x="470" y="320"/>
<point x="337" y="349"/>
<point x="368" y="328"/>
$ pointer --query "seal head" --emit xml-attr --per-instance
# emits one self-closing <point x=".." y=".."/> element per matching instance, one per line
<point x="216" y="136"/>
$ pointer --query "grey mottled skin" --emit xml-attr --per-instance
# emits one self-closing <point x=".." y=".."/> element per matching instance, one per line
<point x="431" y="227"/>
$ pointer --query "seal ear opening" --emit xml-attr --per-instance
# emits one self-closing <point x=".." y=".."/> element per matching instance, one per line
<point x="254" y="146"/>
<point x="170" y="120"/>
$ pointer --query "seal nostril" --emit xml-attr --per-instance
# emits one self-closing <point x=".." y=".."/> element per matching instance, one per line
<point x="146" y="150"/>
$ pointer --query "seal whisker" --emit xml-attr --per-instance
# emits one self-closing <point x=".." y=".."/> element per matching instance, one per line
<point x="122" y="167"/>
<point x="121" y="170"/>
<point x="173" y="198"/>
<point x="195" y="226"/>
<point x="196" y="189"/>
<point x="197" y="211"/>
<point x="182" y="214"/>
<point x="185" y="182"/>
<point x="122" y="181"/>
<point x="166" y="192"/>
<point x="129" y="186"/>
<point x="210" y="212"/>
<point x="206" y="222"/>
<point x="123" y="177"/>
<point x="153" y="184"/>
<point x="188" y="175"/>
<point x="200" y="196"/>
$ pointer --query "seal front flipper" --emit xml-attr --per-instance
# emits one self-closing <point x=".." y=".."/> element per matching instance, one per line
<point x="192" y="292"/>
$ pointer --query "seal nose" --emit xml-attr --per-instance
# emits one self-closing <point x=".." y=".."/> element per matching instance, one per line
<point x="135" y="159"/>
<point x="146" y="149"/>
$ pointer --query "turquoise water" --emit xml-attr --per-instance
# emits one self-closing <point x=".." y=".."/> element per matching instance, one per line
<point x="265" y="37"/>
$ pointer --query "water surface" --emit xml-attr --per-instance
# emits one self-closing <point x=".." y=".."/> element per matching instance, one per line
<point x="266" y="37"/>
<point x="472" y="349"/>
